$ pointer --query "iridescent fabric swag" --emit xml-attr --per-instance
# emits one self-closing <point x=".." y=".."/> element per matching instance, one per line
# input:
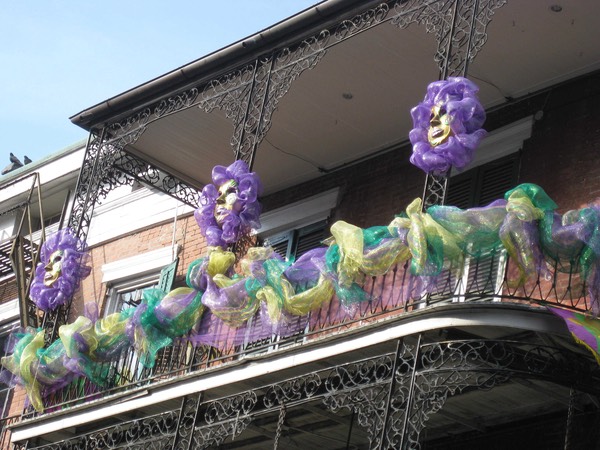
<point x="279" y="296"/>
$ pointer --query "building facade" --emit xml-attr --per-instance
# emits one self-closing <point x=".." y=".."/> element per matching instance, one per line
<point x="319" y="106"/>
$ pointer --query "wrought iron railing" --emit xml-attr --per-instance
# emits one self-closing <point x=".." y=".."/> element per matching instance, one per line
<point x="22" y="249"/>
<point x="487" y="279"/>
<point x="392" y="393"/>
<point x="5" y="424"/>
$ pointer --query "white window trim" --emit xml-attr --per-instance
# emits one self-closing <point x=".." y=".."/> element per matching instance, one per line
<point x="501" y="142"/>
<point x="139" y="265"/>
<point x="116" y="289"/>
<point x="9" y="311"/>
<point x="298" y="214"/>
<point x="134" y="211"/>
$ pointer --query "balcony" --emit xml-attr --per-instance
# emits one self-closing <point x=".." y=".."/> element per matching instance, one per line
<point x="391" y="298"/>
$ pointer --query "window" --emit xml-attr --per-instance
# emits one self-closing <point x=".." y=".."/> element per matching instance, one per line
<point x="128" y="294"/>
<point x="298" y="227"/>
<point x="482" y="278"/>
<point x="484" y="184"/>
<point x="6" y="329"/>
<point x="124" y="293"/>
<point x="292" y="231"/>
<point x="292" y="244"/>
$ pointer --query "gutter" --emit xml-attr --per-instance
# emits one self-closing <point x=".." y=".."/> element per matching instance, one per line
<point x="284" y="33"/>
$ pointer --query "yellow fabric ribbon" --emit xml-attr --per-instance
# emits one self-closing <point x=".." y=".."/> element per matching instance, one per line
<point x="349" y="239"/>
<point x="425" y="235"/>
<point x="27" y="367"/>
<point x="519" y="203"/>
<point x="219" y="261"/>
<point x="304" y="302"/>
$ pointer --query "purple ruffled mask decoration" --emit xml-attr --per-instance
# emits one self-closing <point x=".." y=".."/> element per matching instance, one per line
<point x="63" y="264"/>
<point x="229" y="206"/>
<point x="447" y="126"/>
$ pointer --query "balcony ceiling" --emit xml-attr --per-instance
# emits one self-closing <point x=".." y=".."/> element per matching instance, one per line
<point x="385" y="70"/>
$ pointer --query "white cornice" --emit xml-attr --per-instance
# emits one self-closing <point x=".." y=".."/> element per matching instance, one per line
<point x="9" y="311"/>
<point x="131" y="212"/>
<point x="138" y="265"/>
<point x="502" y="142"/>
<point x="298" y="214"/>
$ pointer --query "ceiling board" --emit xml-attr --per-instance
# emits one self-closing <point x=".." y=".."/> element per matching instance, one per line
<point x="386" y="70"/>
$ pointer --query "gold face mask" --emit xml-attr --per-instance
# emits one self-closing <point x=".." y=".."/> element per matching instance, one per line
<point x="53" y="268"/>
<point x="226" y="200"/>
<point x="439" y="126"/>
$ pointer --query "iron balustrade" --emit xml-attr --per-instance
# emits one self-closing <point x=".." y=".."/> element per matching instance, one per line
<point x="394" y="294"/>
<point x="391" y="393"/>
<point x="5" y="423"/>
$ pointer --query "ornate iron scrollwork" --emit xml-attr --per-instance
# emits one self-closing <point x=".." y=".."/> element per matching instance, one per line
<point x="435" y="189"/>
<point x="224" y="418"/>
<point x="442" y="369"/>
<point x="300" y="388"/>
<point x="364" y="389"/>
<point x="361" y="22"/>
<point x="393" y="395"/>
<point x="249" y="96"/>
<point x="151" y="433"/>
<point x="187" y="421"/>
<point x="460" y="27"/>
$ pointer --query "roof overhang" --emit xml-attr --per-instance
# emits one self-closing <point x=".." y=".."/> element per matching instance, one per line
<point x="353" y="102"/>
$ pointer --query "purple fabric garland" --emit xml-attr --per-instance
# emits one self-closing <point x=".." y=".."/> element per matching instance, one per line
<point x="75" y="266"/>
<point x="222" y="217"/>
<point x="461" y="111"/>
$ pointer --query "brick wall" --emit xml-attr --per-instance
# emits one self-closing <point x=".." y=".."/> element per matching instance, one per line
<point x="563" y="153"/>
<point x="17" y="404"/>
<point x="187" y="235"/>
<point x="562" y="156"/>
<point x="371" y="192"/>
<point x="8" y="290"/>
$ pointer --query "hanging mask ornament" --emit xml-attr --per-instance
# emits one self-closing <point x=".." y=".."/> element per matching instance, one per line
<point x="447" y="126"/>
<point x="63" y="264"/>
<point x="229" y="206"/>
<point x="53" y="268"/>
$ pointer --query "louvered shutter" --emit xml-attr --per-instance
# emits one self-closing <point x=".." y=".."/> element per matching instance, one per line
<point x="495" y="178"/>
<point x="484" y="184"/>
<point x="482" y="278"/>
<point x="308" y="238"/>
<point x="293" y="244"/>
<point x="167" y="275"/>
<point x="461" y="189"/>
<point x="167" y="357"/>
<point x="281" y="244"/>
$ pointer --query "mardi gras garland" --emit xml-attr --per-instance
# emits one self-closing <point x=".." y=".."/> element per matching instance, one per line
<point x="217" y="304"/>
<point x="281" y="294"/>
<point x="447" y="126"/>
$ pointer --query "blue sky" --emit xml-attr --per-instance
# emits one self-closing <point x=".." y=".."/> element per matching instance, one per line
<point x="59" y="57"/>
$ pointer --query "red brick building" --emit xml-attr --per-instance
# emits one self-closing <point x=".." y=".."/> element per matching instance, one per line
<point x="319" y="106"/>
